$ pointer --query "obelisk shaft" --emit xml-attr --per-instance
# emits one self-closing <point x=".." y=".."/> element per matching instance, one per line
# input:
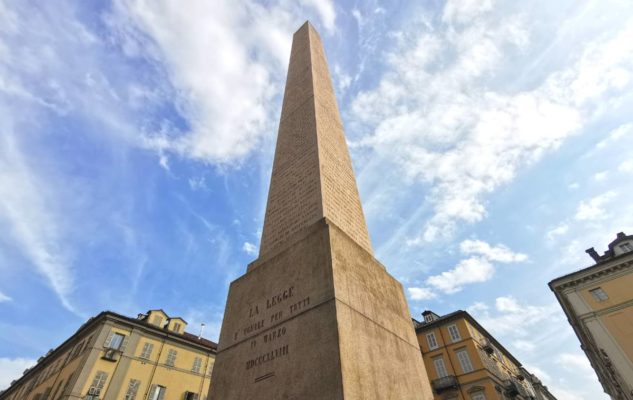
<point x="316" y="317"/>
<point x="312" y="173"/>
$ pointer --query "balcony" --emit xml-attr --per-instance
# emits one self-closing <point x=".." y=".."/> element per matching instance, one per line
<point x="487" y="346"/>
<point x="512" y="389"/>
<point x="110" y="355"/>
<point x="445" y="384"/>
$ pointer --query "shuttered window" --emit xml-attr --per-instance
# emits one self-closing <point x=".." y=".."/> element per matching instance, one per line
<point x="430" y="339"/>
<point x="440" y="368"/>
<point x="157" y="392"/>
<point x="197" y="363"/>
<point x="464" y="361"/>
<point x="132" y="389"/>
<point x="454" y="332"/>
<point x="147" y="350"/>
<point x="171" y="357"/>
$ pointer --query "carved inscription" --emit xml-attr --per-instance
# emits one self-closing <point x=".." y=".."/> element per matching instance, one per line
<point x="267" y="357"/>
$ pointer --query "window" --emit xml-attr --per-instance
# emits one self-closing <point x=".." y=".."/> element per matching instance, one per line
<point x="97" y="384"/>
<point x="117" y="341"/>
<point x="191" y="396"/>
<point x="440" y="368"/>
<point x="464" y="361"/>
<point x="478" y="396"/>
<point x="454" y="332"/>
<point x="147" y="351"/>
<point x="626" y="247"/>
<point x="157" y="320"/>
<point x="132" y="389"/>
<point x="197" y="363"/>
<point x="599" y="294"/>
<point x="157" y="392"/>
<point x="177" y="327"/>
<point x="171" y="358"/>
<point x="430" y="339"/>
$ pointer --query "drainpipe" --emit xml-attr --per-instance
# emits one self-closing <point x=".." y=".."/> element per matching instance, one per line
<point x="151" y="375"/>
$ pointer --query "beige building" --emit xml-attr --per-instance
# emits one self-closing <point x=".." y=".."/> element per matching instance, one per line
<point x="465" y="362"/>
<point x="111" y="356"/>
<point x="598" y="301"/>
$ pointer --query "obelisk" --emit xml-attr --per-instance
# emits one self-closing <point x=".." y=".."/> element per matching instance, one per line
<point x="316" y="316"/>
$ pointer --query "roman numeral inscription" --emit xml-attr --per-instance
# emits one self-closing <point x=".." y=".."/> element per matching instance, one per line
<point x="315" y="317"/>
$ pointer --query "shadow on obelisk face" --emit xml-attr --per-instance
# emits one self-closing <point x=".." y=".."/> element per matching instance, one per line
<point x="316" y="316"/>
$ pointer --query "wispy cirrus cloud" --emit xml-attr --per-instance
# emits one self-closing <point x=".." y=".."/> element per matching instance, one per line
<point x="443" y="114"/>
<point x="4" y="298"/>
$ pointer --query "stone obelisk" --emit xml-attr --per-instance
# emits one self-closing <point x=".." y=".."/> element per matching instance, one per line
<point x="315" y="316"/>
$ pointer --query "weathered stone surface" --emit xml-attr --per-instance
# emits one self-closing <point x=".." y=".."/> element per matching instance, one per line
<point x="316" y="316"/>
<point x="312" y="172"/>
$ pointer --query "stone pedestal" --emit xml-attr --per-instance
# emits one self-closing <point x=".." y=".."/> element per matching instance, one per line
<point x="319" y="320"/>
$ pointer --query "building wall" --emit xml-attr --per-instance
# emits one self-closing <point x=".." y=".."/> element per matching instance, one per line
<point x="489" y="371"/>
<point x="70" y="374"/>
<point x="605" y="325"/>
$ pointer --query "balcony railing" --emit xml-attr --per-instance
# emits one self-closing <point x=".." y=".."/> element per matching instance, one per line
<point x="512" y="389"/>
<point x="445" y="383"/>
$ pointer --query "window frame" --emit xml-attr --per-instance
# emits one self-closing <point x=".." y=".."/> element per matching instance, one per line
<point x="443" y="366"/>
<point x="171" y="358"/>
<point x="455" y="336"/>
<point x="599" y="294"/>
<point x="146" y="352"/>
<point x="464" y="358"/>
<point x="428" y="342"/>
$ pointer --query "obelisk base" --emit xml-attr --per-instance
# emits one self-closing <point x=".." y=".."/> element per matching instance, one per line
<point x="319" y="320"/>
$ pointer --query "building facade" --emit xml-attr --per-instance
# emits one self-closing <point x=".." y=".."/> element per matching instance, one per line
<point x="598" y="301"/>
<point x="465" y="362"/>
<point x="112" y="356"/>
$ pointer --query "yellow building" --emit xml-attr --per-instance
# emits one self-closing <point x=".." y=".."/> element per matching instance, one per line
<point x="598" y="301"/>
<point x="111" y="356"/>
<point x="465" y="362"/>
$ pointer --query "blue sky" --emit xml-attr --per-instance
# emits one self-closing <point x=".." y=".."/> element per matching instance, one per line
<point x="491" y="142"/>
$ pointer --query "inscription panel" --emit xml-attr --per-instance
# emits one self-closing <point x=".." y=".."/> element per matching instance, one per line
<point x="286" y="285"/>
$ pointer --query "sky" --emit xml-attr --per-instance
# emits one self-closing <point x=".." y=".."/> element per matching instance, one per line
<point x="490" y="139"/>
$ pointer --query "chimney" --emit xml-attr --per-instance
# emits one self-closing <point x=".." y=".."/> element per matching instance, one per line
<point x="201" y="330"/>
<point x="593" y="253"/>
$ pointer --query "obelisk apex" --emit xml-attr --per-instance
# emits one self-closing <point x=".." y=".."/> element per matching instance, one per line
<point x="312" y="175"/>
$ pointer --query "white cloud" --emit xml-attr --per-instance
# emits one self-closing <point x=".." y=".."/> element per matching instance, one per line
<point x="462" y="11"/>
<point x="593" y="209"/>
<point x="475" y="269"/>
<point x="12" y="368"/>
<point x="470" y="270"/>
<point x="4" y="298"/>
<point x="27" y="207"/>
<point x="421" y="293"/>
<point x="615" y="135"/>
<point x="600" y="176"/>
<point x="498" y="253"/>
<point x="574" y="362"/>
<point x="249" y="248"/>
<point x="626" y="166"/>
<point x="513" y="317"/>
<point x="573" y="186"/>
<point x="558" y="230"/>
<point x="526" y="345"/>
<point x="440" y="116"/>
<point x="326" y="11"/>
<point x="225" y="62"/>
